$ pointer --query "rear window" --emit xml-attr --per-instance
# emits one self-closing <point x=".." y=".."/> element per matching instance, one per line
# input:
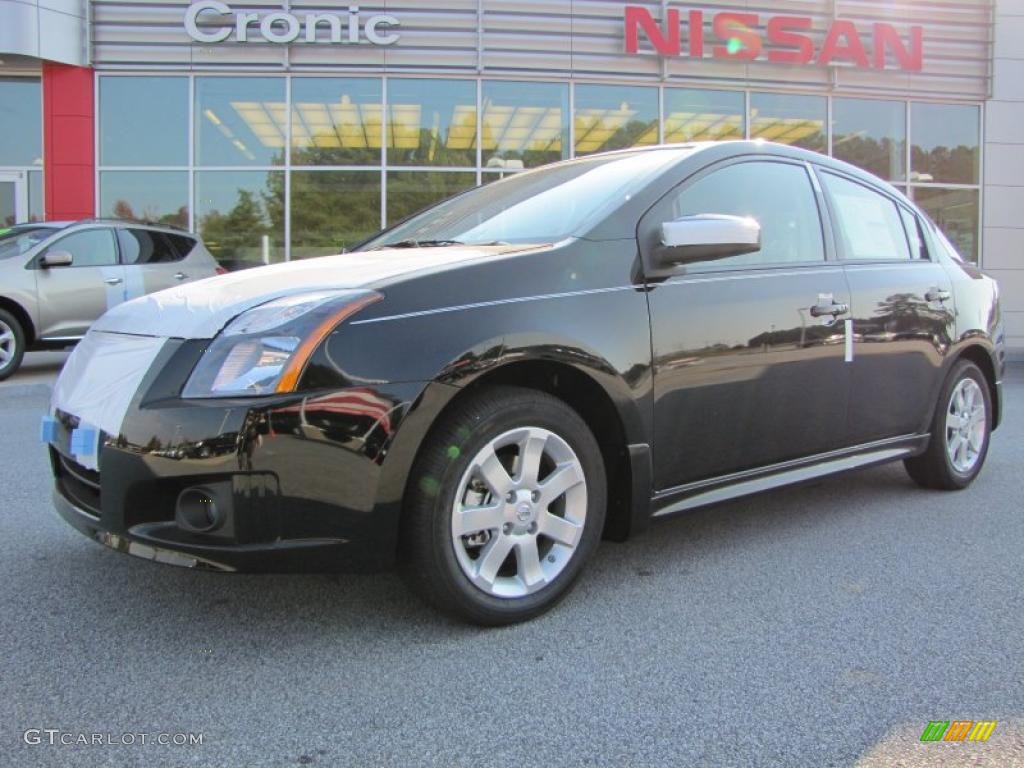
<point x="146" y="246"/>
<point x="16" y="241"/>
<point x="869" y="223"/>
<point x="182" y="244"/>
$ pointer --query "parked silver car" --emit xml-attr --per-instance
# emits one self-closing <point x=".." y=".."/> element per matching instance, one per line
<point x="56" y="278"/>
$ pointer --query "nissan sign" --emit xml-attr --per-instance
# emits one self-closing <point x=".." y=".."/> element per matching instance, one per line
<point x="742" y="37"/>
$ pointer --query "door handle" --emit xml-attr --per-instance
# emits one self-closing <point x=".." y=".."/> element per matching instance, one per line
<point x="112" y="280"/>
<point x="180" y="276"/>
<point x="937" y="294"/>
<point x="833" y="309"/>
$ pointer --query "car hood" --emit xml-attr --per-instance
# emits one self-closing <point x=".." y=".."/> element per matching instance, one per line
<point x="201" y="309"/>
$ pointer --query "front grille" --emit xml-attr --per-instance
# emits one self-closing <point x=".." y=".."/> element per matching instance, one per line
<point x="80" y="485"/>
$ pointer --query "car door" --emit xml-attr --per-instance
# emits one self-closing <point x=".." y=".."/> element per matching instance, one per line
<point x="748" y="351"/>
<point x="72" y="297"/>
<point x="902" y="309"/>
<point x="154" y="260"/>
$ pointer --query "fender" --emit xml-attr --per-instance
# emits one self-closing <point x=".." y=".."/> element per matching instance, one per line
<point x="967" y="344"/>
<point x="495" y="358"/>
<point x="24" y="307"/>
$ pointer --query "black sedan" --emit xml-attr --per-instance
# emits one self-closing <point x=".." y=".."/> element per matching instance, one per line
<point x="485" y="391"/>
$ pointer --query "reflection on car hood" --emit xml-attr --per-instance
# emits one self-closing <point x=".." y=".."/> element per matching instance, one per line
<point x="201" y="309"/>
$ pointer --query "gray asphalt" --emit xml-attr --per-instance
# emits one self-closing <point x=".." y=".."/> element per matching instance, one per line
<point x="817" y="626"/>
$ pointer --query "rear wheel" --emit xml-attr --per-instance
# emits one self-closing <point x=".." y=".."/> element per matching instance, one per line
<point x="506" y="504"/>
<point x="12" y="344"/>
<point x="960" y="432"/>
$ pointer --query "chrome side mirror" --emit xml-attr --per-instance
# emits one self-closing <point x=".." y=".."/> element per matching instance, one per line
<point x="706" y="237"/>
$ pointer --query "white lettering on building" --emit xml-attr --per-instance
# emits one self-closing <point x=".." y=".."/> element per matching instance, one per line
<point x="283" y="28"/>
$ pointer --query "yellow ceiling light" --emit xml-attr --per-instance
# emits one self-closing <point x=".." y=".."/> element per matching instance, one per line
<point x="313" y="114"/>
<point x="404" y="126"/>
<point x="785" y="130"/>
<point x="278" y="112"/>
<point x="595" y="126"/>
<point x="462" y="129"/>
<point x="799" y="132"/>
<point x="692" y="126"/>
<point x="650" y="136"/>
<point x="340" y="115"/>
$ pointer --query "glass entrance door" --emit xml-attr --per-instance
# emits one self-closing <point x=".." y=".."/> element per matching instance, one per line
<point x="13" y="198"/>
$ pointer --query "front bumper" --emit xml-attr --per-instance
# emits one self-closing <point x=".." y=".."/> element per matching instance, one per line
<point x="300" y="479"/>
<point x="282" y="556"/>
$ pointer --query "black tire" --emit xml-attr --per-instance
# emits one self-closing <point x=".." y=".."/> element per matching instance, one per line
<point x="428" y="557"/>
<point x="9" y="322"/>
<point x="934" y="468"/>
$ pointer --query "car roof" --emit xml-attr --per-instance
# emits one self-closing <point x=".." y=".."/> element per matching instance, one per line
<point x="58" y="225"/>
<point x="35" y="225"/>
<point x="133" y="223"/>
<point x="743" y="147"/>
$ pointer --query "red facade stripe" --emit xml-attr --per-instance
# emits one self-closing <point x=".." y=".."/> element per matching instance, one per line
<point x="69" y="161"/>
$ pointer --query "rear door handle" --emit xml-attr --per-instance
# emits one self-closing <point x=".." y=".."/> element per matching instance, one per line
<point x="112" y="280"/>
<point x="938" y="294"/>
<point x="833" y="309"/>
<point x="180" y="276"/>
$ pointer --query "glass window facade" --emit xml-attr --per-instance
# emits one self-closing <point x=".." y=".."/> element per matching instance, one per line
<point x="289" y="167"/>
<point x="611" y="117"/>
<point x="871" y="135"/>
<point x="143" y="121"/>
<point x="523" y="125"/>
<point x="956" y="212"/>
<point x="21" y="121"/>
<point x="433" y="125"/>
<point x="240" y="121"/>
<point x="333" y="210"/>
<point x="700" y="115"/>
<point x="790" y="119"/>
<point x="35" y="196"/>
<point x="240" y="216"/>
<point x="157" y="196"/>
<point x="336" y="121"/>
<point x="945" y="143"/>
<point x="945" y="149"/>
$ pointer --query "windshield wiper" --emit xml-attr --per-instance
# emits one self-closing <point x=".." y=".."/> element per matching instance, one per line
<point x="419" y="244"/>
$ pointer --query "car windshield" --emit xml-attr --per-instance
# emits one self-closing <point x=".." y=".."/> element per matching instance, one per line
<point x="18" y="240"/>
<point x="542" y="206"/>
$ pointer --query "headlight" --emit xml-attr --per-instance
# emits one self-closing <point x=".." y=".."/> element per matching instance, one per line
<point x="265" y="349"/>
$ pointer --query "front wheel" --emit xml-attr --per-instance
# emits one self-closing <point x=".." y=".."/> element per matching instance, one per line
<point x="506" y="503"/>
<point x="960" y="432"/>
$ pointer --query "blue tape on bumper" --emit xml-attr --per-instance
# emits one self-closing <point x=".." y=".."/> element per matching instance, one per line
<point x="85" y="441"/>
<point x="48" y="429"/>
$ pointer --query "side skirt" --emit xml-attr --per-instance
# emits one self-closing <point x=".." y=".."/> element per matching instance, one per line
<point x="718" y="489"/>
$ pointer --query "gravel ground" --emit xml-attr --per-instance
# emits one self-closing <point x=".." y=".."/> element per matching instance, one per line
<point x="817" y="626"/>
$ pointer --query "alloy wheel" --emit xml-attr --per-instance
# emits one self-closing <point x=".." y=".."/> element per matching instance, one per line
<point x="519" y="512"/>
<point x="8" y="344"/>
<point x="966" y="425"/>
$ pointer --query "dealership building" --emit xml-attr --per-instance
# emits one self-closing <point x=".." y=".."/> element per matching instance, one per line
<point x="284" y="129"/>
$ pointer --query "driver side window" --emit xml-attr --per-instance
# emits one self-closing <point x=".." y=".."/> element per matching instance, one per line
<point x="779" y="196"/>
<point x="89" y="248"/>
